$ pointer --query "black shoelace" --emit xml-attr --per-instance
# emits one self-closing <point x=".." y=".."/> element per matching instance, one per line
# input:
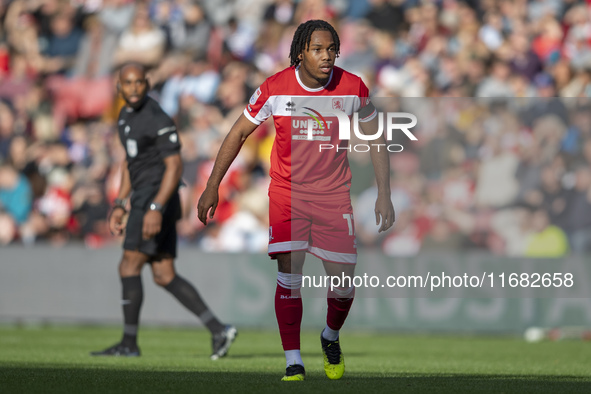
<point x="333" y="352"/>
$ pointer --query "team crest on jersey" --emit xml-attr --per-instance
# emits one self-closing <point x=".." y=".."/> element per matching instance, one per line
<point x="132" y="148"/>
<point x="338" y="104"/>
<point x="255" y="96"/>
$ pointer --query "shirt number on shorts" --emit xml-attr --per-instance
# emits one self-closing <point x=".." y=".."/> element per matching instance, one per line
<point x="349" y="218"/>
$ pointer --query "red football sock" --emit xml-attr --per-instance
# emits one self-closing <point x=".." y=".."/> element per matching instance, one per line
<point x="338" y="309"/>
<point x="289" y="310"/>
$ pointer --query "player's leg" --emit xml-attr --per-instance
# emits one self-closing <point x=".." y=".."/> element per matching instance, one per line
<point x="130" y="269"/>
<point x="136" y="252"/>
<point x="339" y="300"/>
<point x="289" y="231"/>
<point x="289" y="310"/>
<point x="165" y="275"/>
<point x="333" y="241"/>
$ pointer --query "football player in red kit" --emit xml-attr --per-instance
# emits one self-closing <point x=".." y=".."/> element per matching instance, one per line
<point x="310" y="206"/>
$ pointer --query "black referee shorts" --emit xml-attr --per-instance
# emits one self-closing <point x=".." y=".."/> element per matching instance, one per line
<point x="164" y="244"/>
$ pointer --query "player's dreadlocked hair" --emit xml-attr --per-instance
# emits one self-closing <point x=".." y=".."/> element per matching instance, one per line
<point x="301" y="38"/>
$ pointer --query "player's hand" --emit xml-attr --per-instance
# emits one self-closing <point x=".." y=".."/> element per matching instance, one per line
<point x="208" y="200"/>
<point x="385" y="211"/>
<point x="152" y="224"/>
<point x="116" y="220"/>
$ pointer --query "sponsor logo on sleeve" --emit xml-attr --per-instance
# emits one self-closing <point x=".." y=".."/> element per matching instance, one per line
<point x="255" y="96"/>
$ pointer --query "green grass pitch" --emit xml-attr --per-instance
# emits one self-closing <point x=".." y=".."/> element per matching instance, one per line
<point x="56" y="360"/>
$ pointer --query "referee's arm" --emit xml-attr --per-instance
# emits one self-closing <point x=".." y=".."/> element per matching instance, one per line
<point x="125" y="187"/>
<point x="170" y="179"/>
<point x="115" y="217"/>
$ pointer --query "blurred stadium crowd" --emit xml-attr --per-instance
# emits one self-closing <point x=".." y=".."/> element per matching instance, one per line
<point x="492" y="172"/>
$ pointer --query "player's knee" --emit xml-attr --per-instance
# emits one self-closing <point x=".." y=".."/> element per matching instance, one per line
<point x="345" y="293"/>
<point x="163" y="271"/>
<point x="342" y="294"/>
<point x="292" y="262"/>
<point x="284" y="265"/>
<point x="162" y="278"/>
<point x="130" y="265"/>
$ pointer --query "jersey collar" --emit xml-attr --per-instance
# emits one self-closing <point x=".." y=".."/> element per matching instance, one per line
<point x="297" y="73"/>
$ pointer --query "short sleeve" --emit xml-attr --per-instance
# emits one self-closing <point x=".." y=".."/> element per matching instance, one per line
<point x="167" y="138"/>
<point x="259" y="107"/>
<point x="367" y="111"/>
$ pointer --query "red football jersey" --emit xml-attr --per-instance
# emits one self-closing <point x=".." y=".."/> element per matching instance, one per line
<point x="299" y="168"/>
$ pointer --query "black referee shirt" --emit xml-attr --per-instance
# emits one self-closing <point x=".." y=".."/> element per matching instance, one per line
<point x="148" y="135"/>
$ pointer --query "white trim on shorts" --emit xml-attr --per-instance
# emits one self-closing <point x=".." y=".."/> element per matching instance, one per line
<point x="292" y="246"/>
<point x="288" y="246"/>
<point x="336" y="257"/>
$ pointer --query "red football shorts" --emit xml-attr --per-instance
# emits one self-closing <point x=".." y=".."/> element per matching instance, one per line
<point x="324" y="229"/>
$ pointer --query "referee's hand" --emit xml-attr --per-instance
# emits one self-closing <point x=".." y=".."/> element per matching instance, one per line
<point x="208" y="200"/>
<point x="116" y="221"/>
<point x="152" y="224"/>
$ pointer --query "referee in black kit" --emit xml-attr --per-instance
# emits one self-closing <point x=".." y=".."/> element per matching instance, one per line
<point x="152" y="173"/>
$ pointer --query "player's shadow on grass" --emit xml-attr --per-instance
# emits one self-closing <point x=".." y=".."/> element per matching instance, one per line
<point x="305" y="355"/>
<point x="126" y="378"/>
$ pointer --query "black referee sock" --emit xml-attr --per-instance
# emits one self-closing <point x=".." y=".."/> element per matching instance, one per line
<point x="190" y="298"/>
<point x="133" y="295"/>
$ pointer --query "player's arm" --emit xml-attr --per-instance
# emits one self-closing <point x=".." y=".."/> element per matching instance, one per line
<point x="228" y="152"/>
<point x="381" y="166"/>
<point x="168" y="185"/>
<point x="119" y="210"/>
